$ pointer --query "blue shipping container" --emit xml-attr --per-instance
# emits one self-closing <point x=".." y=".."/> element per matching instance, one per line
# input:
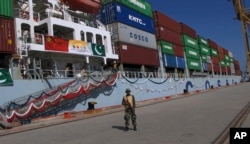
<point x="205" y="66"/>
<point x="169" y="60"/>
<point x="115" y="12"/>
<point x="180" y="62"/>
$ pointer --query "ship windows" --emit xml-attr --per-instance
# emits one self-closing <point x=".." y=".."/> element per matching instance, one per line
<point x="89" y="37"/>
<point x="82" y="36"/>
<point x="99" y="39"/>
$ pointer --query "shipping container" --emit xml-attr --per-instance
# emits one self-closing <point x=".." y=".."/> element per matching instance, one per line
<point x="220" y="49"/>
<point x="221" y="56"/>
<point x="225" y="51"/>
<point x="192" y="52"/>
<point x="203" y="58"/>
<point x="163" y="33"/>
<point x="115" y="12"/>
<point x="187" y="30"/>
<point x="202" y="41"/>
<point x="222" y="63"/>
<point x="138" y="5"/>
<point x="169" y="60"/>
<point x="227" y="58"/>
<point x="204" y="50"/>
<point x="166" y="47"/>
<point x="232" y="70"/>
<point x="209" y="67"/>
<point x="7" y="36"/>
<point x="214" y="52"/>
<point x="128" y="34"/>
<point x="167" y="22"/>
<point x="193" y="64"/>
<point x="189" y="41"/>
<point x="180" y="62"/>
<point x="230" y="54"/>
<point x="132" y="54"/>
<point x="7" y="8"/>
<point x="205" y="66"/>
<point x="223" y="69"/>
<point x="216" y="68"/>
<point x="215" y="60"/>
<point x="212" y="44"/>
<point x="178" y="50"/>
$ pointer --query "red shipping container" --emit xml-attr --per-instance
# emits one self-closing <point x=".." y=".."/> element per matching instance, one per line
<point x="221" y="56"/>
<point x="178" y="50"/>
<point x="209" y="67"/>
<point x="212" y="44"/>
<point x="223" y="69"/>
<point x="187" y="30"/>
<point x="7" y="36"/>
<point x="132" y="54"/>
<point x="226" y="52"/>
<point x="220" y="49"/>
<point x="166" y="21"/>
<point x="166" y="34"/>
<point x="216" y="67"/>
<point x="215" y="60"/>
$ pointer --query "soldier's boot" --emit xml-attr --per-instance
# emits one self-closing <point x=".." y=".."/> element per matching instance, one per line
<point x="135" y="128"/>
<point x="126" y="128"/>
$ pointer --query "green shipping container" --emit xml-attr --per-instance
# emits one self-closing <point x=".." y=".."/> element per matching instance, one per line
<point x="139" y="5"/>
<point x="222" y="63"/>
<point x="188" y="41"/>
<point x="227" y="58"/>
<point x="192" y="53"/>
<point x="202" y="41"/>
<point x="167" y="47"/>
<point x="204" y="58"/>
<point x="6" y="8"/>
<point x="193" y="64"/>
<point x="205" y="50"/>
<point x="214" y="52"/>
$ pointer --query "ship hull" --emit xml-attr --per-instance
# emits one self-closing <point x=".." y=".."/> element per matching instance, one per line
<point x="111" y="94"/>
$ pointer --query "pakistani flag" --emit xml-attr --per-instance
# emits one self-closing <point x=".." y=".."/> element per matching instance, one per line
<point x="5" y="78"/>
<point x="98" y="50"/>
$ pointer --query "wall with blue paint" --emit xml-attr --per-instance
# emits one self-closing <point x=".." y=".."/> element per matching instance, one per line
<point x="143" y="89"/>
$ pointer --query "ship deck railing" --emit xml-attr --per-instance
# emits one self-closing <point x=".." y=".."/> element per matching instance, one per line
<point x="39" y="16"/>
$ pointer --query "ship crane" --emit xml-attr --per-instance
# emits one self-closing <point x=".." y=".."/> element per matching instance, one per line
<point x="243" y="15"/>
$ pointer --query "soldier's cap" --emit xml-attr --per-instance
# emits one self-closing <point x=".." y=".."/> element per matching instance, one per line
<point x="128" y="90"/>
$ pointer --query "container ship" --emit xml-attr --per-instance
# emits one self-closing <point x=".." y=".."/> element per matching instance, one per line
<point x="59" y="56"/>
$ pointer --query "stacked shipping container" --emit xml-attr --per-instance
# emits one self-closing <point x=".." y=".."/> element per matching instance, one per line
<point x="204" y="52"/>
<point x="191" y="47"/>
<point x="215" y="62"/>
<point x="7" y="31"/>
<point x="169" y="40"/>
<point x="133" y="32"/>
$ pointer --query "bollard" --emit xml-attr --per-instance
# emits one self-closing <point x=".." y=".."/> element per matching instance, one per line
<point x="211" y="87"/>
<point x="185" y="91"/>
<point x="91" y="105"/>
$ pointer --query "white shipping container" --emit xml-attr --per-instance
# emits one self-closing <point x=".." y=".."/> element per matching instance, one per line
<point x="232" y="71"/>
<point x="230" y="54"/>
<point x="124" y="33"/>
<point x="232" y="65"/>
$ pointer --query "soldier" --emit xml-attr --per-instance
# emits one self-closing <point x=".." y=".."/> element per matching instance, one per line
<point x="129" y="103"/>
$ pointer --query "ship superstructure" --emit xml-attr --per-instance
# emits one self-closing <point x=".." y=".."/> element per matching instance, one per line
<point x="50" y="34"/>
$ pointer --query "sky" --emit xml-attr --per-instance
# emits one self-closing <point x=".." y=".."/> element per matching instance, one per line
<point x="212" y="19"/>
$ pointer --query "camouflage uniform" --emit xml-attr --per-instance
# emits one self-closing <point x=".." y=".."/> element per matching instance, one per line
<point x="129" y="103"/>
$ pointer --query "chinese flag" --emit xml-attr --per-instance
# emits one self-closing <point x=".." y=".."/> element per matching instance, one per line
<point x="56" y="44"/>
